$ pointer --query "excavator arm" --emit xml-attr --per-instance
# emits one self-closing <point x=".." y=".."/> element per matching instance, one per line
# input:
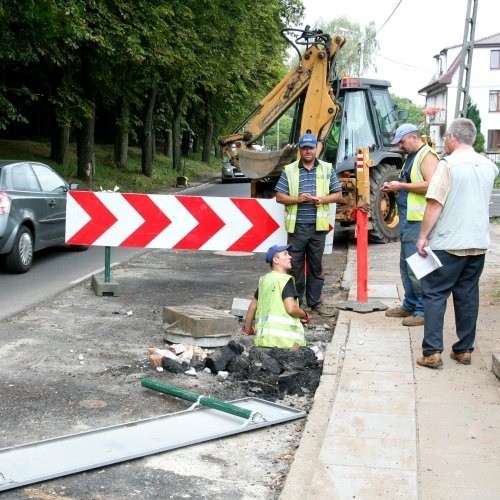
<point x="311" y="80"/>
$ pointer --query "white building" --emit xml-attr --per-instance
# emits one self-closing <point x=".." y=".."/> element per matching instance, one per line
<point x="484" y="91"/>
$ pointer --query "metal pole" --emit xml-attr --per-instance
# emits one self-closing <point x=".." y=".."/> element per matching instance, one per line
<point x="107" y="264"/>
<point x="203" y="400"/>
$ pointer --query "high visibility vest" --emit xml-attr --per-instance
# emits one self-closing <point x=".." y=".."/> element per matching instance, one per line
<point x="323" y="173"/>
<point x="274" y="327"/>
<point x="416" y="201"/>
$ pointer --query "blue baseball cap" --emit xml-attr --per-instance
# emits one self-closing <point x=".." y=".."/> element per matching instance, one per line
<point x="274" y="250"/>
<point x="404" y="129"/>
<point x="308" y="141"/>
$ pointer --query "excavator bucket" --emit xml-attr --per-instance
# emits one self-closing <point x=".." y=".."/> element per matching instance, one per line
<point x="259" y="164"/>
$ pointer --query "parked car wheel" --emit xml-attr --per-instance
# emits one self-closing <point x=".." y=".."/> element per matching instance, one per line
<point x="20" y="258"/>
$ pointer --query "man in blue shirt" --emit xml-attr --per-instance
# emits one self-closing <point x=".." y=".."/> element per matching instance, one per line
<point x="306" y="187"/>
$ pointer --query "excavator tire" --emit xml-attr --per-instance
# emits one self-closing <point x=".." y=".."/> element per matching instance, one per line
<point x="384" y="214"/>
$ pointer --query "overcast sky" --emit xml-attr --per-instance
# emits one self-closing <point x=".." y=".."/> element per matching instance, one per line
<point x="416" y="31"/>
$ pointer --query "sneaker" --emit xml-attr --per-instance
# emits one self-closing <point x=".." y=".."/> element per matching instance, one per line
<point x="464" y="358"/>
<point x="431" y="361"/>
<point x="398" y="312"/>
<point x="413" y="321"/>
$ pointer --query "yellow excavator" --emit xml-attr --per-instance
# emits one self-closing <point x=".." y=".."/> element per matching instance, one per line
<point x="345" y="114"/>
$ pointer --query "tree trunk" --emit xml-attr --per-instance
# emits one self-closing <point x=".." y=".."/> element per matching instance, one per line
<point x="167" y="143"/>
<point x="196" y="143"/>
<point x="176" y="130"/>
<point x="59" y="143"/>
<point x="148" y="135"/>
<point x="85" y="149"/>
<point x="186" y="142"/>
<point x="59" y="134"/>
<point x="121" y="132"/>
<point x="207" y="135"/>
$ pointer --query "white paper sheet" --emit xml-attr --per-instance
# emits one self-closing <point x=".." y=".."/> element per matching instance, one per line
<point x="422" y="266"/>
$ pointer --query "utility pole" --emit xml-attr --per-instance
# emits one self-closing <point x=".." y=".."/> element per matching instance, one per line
<point x="466" y="60"/>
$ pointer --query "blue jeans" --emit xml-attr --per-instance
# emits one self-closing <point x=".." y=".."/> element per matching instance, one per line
<point x="307" y="250"/>
<point x="412" y="287"/>
<point x="459" y="276"/>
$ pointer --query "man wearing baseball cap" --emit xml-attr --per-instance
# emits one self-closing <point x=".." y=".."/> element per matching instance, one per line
<point x="307" y="187"/>
<point x="274" y="308"/>
<point x="417" y="170"/>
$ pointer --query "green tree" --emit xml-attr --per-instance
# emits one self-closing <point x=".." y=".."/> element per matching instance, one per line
<point x="415" y="114"/>
<point x="358" y="52"/>
<point x="473" y="114"/>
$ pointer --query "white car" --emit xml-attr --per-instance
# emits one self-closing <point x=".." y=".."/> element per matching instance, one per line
<point x="230" y="172"/>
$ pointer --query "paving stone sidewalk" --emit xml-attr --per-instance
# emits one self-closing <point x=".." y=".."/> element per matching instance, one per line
<point x="382" y="426"/>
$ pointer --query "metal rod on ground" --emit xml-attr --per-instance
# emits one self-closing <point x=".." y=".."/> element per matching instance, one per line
<point x="203" y="400"/>
<point x="107" y="264"/>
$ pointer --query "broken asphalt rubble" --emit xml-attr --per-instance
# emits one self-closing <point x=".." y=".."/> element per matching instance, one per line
<point x="274" y="371"/>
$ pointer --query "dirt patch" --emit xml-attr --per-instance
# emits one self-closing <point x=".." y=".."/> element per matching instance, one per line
<point x="72" y="364"/>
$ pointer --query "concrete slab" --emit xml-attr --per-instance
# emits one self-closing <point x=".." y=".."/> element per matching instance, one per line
<point x="377" y="381"/>
<point x="374" y="425"/>
<point x="199" y="324"/>
<point x="375" y="401"/>
<point x="389" y="363"/>
<point x="239" y="307"/>
<point x="396" y="454"/>
<point x="367" y="483"/>
<point x="380" y="346"/>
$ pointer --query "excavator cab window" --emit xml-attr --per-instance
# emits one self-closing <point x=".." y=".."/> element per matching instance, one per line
<point x="332" y="141"/>
<point x="357" y="129"/>
<point x="387" y="115"/>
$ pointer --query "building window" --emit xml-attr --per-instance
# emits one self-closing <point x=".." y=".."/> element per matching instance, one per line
<point x="495" y="59"/>
<point x="493" y="140"/>
<point x="494" y="104"/>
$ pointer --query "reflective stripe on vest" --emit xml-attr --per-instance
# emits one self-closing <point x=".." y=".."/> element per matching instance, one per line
<point x="416" y="201"/>
<point x="322" y="189"/>
<point x="274" y="327"/>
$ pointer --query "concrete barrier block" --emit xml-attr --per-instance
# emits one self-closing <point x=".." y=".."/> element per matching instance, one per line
<point x="495" y="363"/>
<point x="101" y="287"/>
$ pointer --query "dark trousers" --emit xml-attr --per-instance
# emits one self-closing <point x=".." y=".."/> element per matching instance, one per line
<point x="307" y="250"/>
<point x="459" y="276"/>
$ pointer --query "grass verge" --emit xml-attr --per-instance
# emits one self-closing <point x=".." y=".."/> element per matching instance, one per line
<point x="107" y="176"/>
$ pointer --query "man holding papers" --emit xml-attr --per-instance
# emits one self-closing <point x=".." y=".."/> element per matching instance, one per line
<point x="456" y="228"/>
<point x="419" y="165"/>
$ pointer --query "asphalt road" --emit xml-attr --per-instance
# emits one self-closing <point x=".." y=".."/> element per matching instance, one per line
<point x="55" y="269"/>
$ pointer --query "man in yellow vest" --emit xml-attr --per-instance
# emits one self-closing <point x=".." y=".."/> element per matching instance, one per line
<point x="306" y="187"/>
<point x="274" y="315"/>
<point x="417" y="170"/>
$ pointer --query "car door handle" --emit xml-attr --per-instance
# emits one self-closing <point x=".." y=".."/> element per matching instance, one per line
<point x="52" y="203"/>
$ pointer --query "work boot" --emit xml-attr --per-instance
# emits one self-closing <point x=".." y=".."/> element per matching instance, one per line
<point x="398" y="312"/>
<point x="413" y="321"/>
<point x="431" y="361"/>
<point x="322" y="311"/>
<point x="464" y="358"/>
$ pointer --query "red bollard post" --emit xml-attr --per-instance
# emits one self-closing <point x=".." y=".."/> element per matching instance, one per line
<point x="362" y="254"/>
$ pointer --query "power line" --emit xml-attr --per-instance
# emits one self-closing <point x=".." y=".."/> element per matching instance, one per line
<point x="387" y="20"/>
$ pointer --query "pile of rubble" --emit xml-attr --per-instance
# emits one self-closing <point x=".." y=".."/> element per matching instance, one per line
<point x="272" y="372"/>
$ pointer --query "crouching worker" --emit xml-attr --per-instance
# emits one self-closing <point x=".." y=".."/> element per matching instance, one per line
<point x="275" y="307"/>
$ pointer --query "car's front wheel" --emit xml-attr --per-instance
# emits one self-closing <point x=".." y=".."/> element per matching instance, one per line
<point x="20" y="258"/>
